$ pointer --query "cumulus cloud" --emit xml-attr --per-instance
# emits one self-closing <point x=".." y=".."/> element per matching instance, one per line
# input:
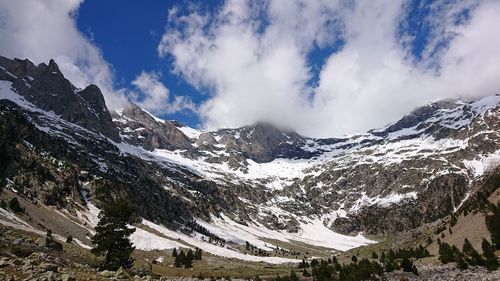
<point x="44" y="30"/>
<point x="253" y="59"/>
<point x="155" y="96"/>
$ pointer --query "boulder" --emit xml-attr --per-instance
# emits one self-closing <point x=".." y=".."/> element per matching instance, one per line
<point x="121" y="273"/>
<point x="107" y="273"/>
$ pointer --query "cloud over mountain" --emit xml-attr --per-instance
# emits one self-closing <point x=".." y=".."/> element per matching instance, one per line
<point x="255" y="60"/>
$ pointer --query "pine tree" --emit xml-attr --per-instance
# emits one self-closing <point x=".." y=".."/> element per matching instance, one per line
<point x="354" y="259"/>
<point x="174" y="252"/>
<point x="306" y="273"/>
<point x="15" y="206"/>
<point x="391" y="255"/>
<point x="407" y="265"/>
<point x="383" y="257"/>
<point x="179" y="260"/>
<point x="462" y="264"/>
<point x="188" y="262"/>
<point x="445" y="253"/>
<point x="474" y="258"/>
<point x="493" y="224"/>
<point x="198" y="254"/>
<point x="374" y="256"/>
<point x="303" y="264"/>
<point x="293" y="276"/>
<point x="489" y="254"/>
<point x="389" y="266"/>
<point x="453" y="220"/>
<point x="112" y="235"/>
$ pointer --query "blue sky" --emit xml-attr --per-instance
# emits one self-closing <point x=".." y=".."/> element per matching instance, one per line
<point x="322" y="68"/>
<point x="128" y="33"/>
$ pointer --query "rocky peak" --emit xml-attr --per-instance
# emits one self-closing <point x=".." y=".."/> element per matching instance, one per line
<point x="434" y="119"/>
<point x="45" y="86"/>
<point x="261" y="142"/>
<point x="133" y="111"/>
<point x="12" y="69"/>
<point x="139" y="127"/>
<point x="53" y="67"/>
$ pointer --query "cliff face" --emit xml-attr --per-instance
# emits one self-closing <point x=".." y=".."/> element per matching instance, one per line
<point x="45" y="86"/>
<point x="140" y="128"/>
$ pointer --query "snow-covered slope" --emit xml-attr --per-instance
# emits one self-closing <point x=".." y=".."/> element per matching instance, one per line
<point x="379" y="168"/>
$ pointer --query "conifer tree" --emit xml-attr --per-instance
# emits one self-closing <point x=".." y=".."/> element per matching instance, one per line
<point x="15" y="206"/>
<point x="389" y="266"/>
<point x="112" y="235"/>
<point x="306" y="273"/>
<point x="303" y="264"/>
<point x="491" y="261"/>
<point x="407" y="265"/>
<point x="188" y="262"/>
<point x="461" y="263"/>
<point x="198" y="254"/>
<point x="174" y="252"/>
<point x="179" y="260"/>
<point x="445" y="253"/>
<point x="294" y="276"/>
<point x="493" y="224"/>
<point x="474" y="258"/>
<point x="382" y="257"/>
<point x="391" y="255"/>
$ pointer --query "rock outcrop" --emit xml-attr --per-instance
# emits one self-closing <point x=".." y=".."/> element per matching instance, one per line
<point x="47" y="88"/>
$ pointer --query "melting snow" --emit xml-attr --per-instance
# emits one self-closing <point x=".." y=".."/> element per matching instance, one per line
<point x="482" y="164"/>
<point x="214" y="249"/>
<point x="311" y="231"/>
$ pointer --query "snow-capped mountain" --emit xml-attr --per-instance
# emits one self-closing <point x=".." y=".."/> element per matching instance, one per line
<point x="217" y="190"/>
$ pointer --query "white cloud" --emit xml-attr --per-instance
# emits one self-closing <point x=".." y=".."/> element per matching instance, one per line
<point x="261" y="73"/>
<point x="44" y="30"/>
<point x="156" y="95"/>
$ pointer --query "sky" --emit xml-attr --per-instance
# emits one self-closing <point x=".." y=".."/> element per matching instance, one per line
<point x="323" y="68"/>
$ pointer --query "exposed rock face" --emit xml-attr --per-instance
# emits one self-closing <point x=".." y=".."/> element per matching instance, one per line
<point x="138" y="127"/>
<point x="263" y="142"/>
<point x="45" y="86"/>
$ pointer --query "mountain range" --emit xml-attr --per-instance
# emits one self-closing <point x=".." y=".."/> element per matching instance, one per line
<point x="64" y="154"/>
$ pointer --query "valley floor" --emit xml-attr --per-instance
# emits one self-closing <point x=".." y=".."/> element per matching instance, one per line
<point x="23" y="258"/>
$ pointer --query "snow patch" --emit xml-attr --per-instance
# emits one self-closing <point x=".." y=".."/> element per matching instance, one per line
<point x="483" y="163"/>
